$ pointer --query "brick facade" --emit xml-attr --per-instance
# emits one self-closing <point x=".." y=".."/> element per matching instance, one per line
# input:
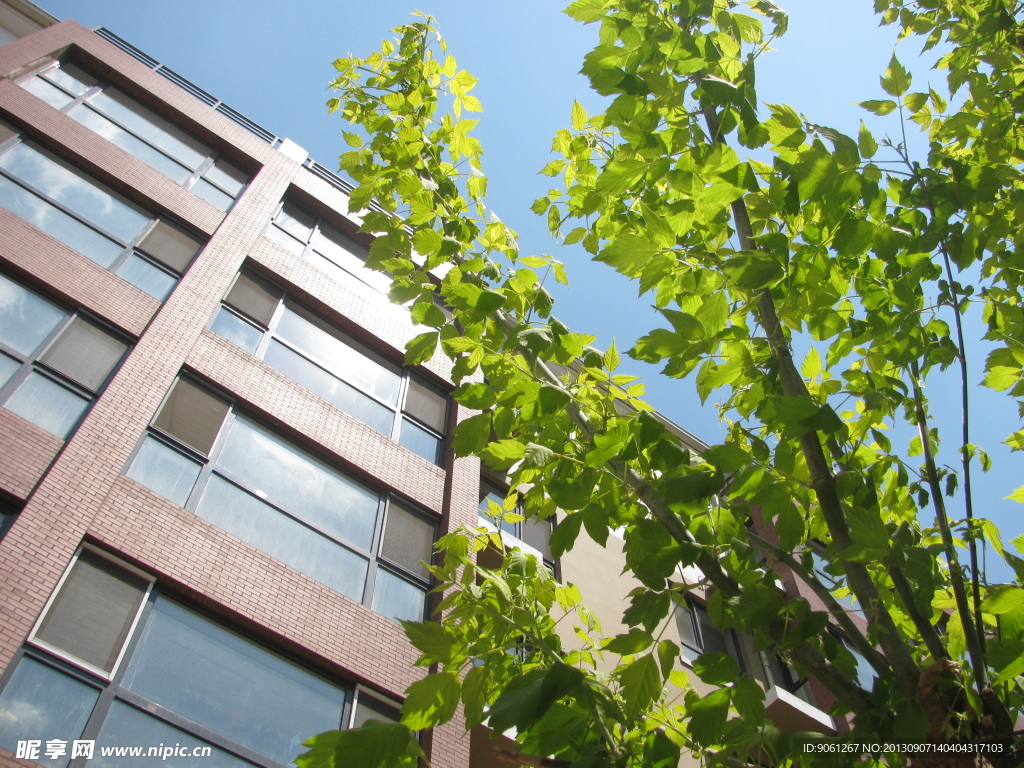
<point x="75" y="491"/>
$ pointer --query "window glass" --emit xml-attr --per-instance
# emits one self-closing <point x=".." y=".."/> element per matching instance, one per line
<point x="691" y="647"/>
<point x="25" y="319"/>
<point x="419" y="441"/>
<point x="323" y="497"/>
<point x="8" y="367"/>
<point x="147" y="277"/>
<point x="408" y="540"/>
<point x="85" y="353"/>
<point x="371" y="708"/>
<point x="236" y="330"/>
<point x="357" y="364"/>
<point x="295" y="222"/>
<point x="126" y="726"/>
<point x="281" y="237"/>
<point x="171" y="245"/>
<point x="58" y="224"/>
<point x="537" y="533"/>
<point x="66" y="185"/>
<point x="48" y="405"/>
<point x="231" y="686"/>
<point x="227" y="176"/>
<point x="341" y="250"/>
<point x="70" y="78"/>
<point x="254" y="296"/>
<point x="215" y="197"/>
<point x="91" y="616"/>
<point x="330" y="388"/>
<point x="116" y="135"/>
<point x="41" y="703"/>
<point x="151" y="127"/>
<point x="396" y="598"/>
<point x="161" y="468"/>
<point x="48" y="92"/>
<point x="192" y="414"/>
<point x="427" y="404"/>
<point x="141" y="132"/>
<point x="257" y="523"/>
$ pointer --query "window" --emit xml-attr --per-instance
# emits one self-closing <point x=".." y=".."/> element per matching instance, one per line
<point x="53" y="363"/>
<point x="698" y="634"/>
<point x="167" y="676"/>
<point x="155" y="141"/>
<point x="8" y="511"/>
<point x="531" y="531"/>
<point x="258" y="317"/>
<point x="781" y="675"/>
<point x="202" y="455"/>
<point x="93" y="220"/>
<point x="328" y="248"/>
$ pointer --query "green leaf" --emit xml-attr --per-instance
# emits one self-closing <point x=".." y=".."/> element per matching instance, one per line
<point x="537" y="455"/>
<point x="1002" y="598"/>
<point x="437" y="643"/>
<point x="716" y="668"/>
<point x="641" y="684"/>
<point x="503" y="454"/>
<point x="376" y="745"/>
<point x="471" y="435"/>
<point x="478" y="396"/>
<point x="427" y="242"/>
<point x="352" y="139"/>
<point x="474" y="694"/>
<point x="896" y="79"/>
<point x="579" y="116"/>
<point x="752" y="270"/>
<point x="628" y="254"/>
<point x="421" y="348"/>
<point x="708" y="715"/>
<point x="586" y="10"/>
<point x="632" y="642"/>
<point x="878" y="107"/>
<point x="866" y="142"/>
<point x="431" y="701"/>
<point x="1017" y="495"/>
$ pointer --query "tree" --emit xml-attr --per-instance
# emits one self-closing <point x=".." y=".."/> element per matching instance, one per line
<point x="870" y="266"/>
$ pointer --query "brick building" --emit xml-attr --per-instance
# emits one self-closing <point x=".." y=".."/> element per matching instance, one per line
<point x="217" y="479"/>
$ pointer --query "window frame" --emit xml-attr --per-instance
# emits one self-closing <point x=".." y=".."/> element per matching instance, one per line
<point x="102" y="84"/>
<point x="695" y="610"/>
<point x="132" y="248"/>
<point x="69" y="658"/>
<point x="209" y="467"/>
<point x="365" y="276"/>
<point x="110" y="687"/>
<point x="269" y="333"/>
<point x="32" y="362"/>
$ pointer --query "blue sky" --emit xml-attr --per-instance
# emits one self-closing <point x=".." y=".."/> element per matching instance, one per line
<point x="272" y="62"/>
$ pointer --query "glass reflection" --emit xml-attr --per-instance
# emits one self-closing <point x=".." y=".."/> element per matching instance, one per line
<point x="41" y="703"/>
<point x="257" y="523"/>
<point x="323" y="497"/>
<point x="231" y="686"/>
